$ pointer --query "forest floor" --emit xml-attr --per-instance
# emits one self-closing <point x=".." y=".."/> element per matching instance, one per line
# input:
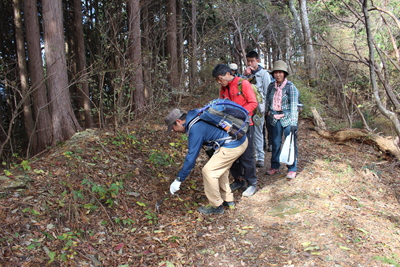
<point x="92" y="202"/>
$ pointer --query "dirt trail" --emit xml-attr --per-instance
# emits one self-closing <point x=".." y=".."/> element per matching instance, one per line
<point x="337" y="212"/>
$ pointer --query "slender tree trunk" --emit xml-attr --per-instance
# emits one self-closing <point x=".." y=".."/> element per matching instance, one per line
<point x="23" y="74"/>
<point x="388" y="114"/>
<point x="297" y="22"/>
<point x="311" y="66"/>
<point x="193" y="61"/>
<point x="64" y="122"/>
<point x="38" y="88"/>
<point x="146" y="50"/>
<point x="172" y="44"/>
<point x="83" y="88"/>
<point x="179" y="40"/>
<point x="135" y="54"/>
<point x="269" y="54"/>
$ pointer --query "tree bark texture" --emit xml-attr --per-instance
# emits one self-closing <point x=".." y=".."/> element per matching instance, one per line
<point x="83" y="87"/>
<point x="172" y="44"/>
<point x="179" y="32"/>
<point x="297" y="22"/>
<point x="135" y="54"/>
<point x="64" y="122"/>
<point x="311" y="66"/>
<point x="23" y="74"/>
<point x="388" y="114"/>
<point x="146" y="50"/>
<point x="193" y="60"/>
<point x="38" y="87"/>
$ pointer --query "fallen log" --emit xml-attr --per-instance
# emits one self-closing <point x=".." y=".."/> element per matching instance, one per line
<point x="387" y="145"/>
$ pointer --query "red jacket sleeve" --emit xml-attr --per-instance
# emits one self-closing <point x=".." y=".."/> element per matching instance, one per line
<point x="249" y="95"/>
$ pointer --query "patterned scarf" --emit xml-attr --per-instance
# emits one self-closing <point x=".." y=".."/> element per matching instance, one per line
<point x="277" y="102"/>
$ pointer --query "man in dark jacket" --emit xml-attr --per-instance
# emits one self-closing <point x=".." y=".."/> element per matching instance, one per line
<point x="216" y="171"/>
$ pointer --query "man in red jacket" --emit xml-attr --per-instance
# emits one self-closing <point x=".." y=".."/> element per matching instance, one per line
<point x="247" y="99"/>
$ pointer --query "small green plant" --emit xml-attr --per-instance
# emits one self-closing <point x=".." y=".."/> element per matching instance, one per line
<point x="25" y="165"/>
<point x="159" y="158"/>
<point x="174" y="239"/>
<point x="68" y="250"/>
<point x="35" y="244"/>
<point x="31" y="210"/>
<point x="151" y="216"/>
<point x="128" y="221"/>
<point x="109" y="194"/>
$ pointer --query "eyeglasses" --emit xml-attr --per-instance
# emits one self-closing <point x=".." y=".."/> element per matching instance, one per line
<point x="218" y="79"/>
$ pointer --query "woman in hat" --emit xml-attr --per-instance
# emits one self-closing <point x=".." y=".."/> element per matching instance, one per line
<point x="281" y="107"/>
<point x="234" y="69"/>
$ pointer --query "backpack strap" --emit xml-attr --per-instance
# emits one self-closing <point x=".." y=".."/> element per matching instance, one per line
<point x="192" y="122"/>
<point x="240" y="88"/>
<point x="226" y="140"/>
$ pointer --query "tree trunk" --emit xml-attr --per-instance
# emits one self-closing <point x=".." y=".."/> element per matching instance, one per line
<point x="172" y="44"/>
<point x="63" y="118"/>
<point x="269" y="53"/>
<point x="388" y="114"/>
<point x="83" y="89"/>
<point x="23" y="74"/>
<point x="146" y="50"/>
<point x="297" y="22"/>
<point x="135" y="54"/>
<point x="38" y="88"/>
<point x="193" y="61"/>
<point x="180" y="40"/>
<point x="311" y="66"/>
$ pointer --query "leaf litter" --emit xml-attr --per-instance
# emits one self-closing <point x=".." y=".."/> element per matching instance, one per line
<point x="91" y="202"/>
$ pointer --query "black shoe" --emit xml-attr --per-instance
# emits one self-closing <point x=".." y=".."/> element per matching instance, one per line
<point x="211" y="210"/>
<point x="269" y="149"/>
<point x="260" y="163"/>
<point x="237" y="185"/>
<point x="229" y="204"/>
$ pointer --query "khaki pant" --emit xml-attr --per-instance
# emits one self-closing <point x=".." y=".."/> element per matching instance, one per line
<point x="216" y="174"/>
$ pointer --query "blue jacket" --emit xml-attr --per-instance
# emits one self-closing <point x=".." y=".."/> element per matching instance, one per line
<point x="200" y="133"/>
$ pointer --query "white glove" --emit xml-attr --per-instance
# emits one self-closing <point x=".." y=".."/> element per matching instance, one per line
<point x="174" y="186"/>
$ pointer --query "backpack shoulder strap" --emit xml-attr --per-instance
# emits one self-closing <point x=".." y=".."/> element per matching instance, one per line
<point x="240" y="87"/>
<point x="192" y="122"/>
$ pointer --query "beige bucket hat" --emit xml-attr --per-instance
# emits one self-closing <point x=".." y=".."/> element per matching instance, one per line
<point x="280" y="65"/>
<point x="233" y="66"/>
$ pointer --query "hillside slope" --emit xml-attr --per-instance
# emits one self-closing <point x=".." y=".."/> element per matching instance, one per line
<point x="91" y="202"/>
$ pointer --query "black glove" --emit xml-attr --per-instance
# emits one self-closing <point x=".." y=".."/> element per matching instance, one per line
<point x="293" y="129"/>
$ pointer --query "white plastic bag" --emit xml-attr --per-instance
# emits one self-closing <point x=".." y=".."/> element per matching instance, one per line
<point x="287" y="152"/>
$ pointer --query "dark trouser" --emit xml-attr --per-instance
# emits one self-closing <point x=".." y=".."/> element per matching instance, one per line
<point x="245" y="165"/>
<point x="269" y="131"/>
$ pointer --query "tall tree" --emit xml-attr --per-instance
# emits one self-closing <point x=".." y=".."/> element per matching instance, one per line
<point x="392" y="116"/>
<point x="36" y="73"/>
<point x="179" y="47"/>
<point x="64" y="122"/>
<point x="135" y="54"/>
<point x="81" y="63"/>
<point x="23" y="73"/>
<point x="296" y="20"/>
<point x="172" y="51"/>
<point x="193" y="43"/>
<point x="311" y="66"/>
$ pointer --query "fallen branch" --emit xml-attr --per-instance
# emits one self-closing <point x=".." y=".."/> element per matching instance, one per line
<point x="384" y="144"/>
